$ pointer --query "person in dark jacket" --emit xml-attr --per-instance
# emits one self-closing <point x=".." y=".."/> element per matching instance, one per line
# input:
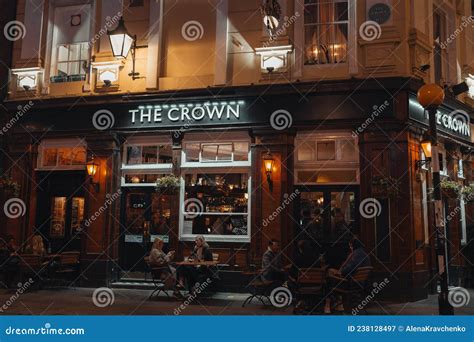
<point x="357" y="258"/>
<point x="272" y="268"/>
<point x="196" y="275"/>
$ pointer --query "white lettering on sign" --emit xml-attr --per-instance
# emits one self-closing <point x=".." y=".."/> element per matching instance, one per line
<point x="214" y="111"/>
<point x="457" y="121"/>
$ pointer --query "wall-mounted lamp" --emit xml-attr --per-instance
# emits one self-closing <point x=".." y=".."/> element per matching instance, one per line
<point x="122" y="43"/>
<point x="92" y="167"/>
<point x="426" y="148"/>
<point x="268" y="163"/>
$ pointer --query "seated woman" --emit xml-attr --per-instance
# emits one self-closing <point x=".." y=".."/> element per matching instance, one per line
<point x="357" y="258"/>
<point x="158" y="258"/>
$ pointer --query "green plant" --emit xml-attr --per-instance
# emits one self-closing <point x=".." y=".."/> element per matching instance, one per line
<point x="468" y="192"/>
<point x="167" y="182"/>
<point x="450" y="186"/>
<point x="9" y="185"/>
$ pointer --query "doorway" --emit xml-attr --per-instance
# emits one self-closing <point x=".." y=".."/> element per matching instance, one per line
<point x="60" y="210"/>
<point x="328" y="217"/>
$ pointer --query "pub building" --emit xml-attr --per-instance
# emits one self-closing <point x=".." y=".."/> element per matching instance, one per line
<point x="242" y="145"/>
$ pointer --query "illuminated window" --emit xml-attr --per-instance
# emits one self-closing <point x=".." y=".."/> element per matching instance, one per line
<point x="326" y="25"/>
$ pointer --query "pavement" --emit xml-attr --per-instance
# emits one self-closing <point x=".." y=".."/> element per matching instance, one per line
<point x="103" y="301"/>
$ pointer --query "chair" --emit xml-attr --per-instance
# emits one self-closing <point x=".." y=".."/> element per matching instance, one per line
<point x="258" y="288"/>
<point x="311" y="281"/>
<point x="68" y="267"/>
<point x="32" y="265"/>
<point x="353" y="287"/>
<point x="156" y="276"/>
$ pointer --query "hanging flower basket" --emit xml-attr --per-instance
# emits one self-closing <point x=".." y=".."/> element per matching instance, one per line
<point x="167" y="184"/>
<point x="385" y="187"/>
<point x="9" y="187"/>
<point x="450" y="189"/>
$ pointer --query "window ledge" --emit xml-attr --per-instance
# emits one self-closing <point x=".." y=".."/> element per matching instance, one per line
<point x="216" y="238"/>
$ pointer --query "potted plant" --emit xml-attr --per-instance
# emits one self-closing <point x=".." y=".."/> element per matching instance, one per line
<point x="385" y="187"/>
<point x="450" y="189"/>
<point x="168" y="183"/>
<point x="468" y="193"/>
<point x="9" y="186"/>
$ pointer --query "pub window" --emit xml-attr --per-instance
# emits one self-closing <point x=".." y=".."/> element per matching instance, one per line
<point x="208" y="153"/>
<point x="70" y="53"/>
<point x="326" y="24"/>
<point x="60" y="155"/>
<point x="216" y="187"/>
<point x="145" y="160"/>
<point x="148" y="154"/>
<point x="324" y="160"/>
<point x="443" y="169"/>
<point x="460" y="169"/>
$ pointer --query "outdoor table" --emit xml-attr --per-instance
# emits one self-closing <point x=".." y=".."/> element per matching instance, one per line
<point x="196" y="263"/>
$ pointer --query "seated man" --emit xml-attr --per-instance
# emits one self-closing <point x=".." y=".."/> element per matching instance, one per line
<point x="272" y="268"/>
<point x="357" y="258"/>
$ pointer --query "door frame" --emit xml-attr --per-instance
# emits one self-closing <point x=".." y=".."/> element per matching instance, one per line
<point x="326" y="190"/>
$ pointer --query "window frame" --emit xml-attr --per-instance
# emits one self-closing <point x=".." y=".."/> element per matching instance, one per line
<point x="328" y="165"/>
<point x="328" y="24"/>
<point x="158" y="168"/>
<point x="213" y="237"/>
<point x="217" y="167"/>
<point x="60" y="143"/>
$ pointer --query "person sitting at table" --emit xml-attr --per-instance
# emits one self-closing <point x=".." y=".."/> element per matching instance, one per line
<point x="197" y="274"/>
<point x="37" y="245"/>
<point x="272" y="268"/>
<point x="201" y="250"/>
<point x="158" y="258"/>
<point x="357" y="258"/>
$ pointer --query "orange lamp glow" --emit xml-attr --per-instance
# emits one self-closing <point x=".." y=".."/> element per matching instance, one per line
<point x="268" y="162"/>
<point x="430" y="95"/>
<point x="92" y="168"/>
<point x="426" y="147"/>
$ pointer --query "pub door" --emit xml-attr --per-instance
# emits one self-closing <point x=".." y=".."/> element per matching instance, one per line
<point x="60" y="210"/>
<point x="328" y="217"/>
<point x="145" y="215"/>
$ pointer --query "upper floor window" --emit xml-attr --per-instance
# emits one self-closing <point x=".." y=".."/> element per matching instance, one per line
<point x="72" y="62"/>
<point x="326" y="31"/>
<point x="70" y="53"/>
